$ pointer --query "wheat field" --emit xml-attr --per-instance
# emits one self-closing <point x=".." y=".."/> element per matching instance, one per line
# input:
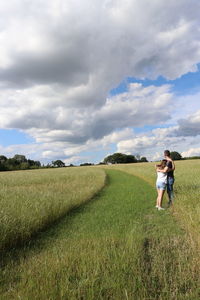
<point x="116" y="246"/>
<point x="32" y="200"/>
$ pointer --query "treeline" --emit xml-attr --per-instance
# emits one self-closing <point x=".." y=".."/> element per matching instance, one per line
<point x="17" y="162"/>
<point x="120" y="158"/>
<point x="192" y="157"/>
<point x="20" y="162"/>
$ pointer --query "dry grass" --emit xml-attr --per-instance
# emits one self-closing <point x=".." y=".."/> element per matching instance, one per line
<point x="31" y="200"/>
<point x="187" y="192"/>
<point x="116" y="247"/>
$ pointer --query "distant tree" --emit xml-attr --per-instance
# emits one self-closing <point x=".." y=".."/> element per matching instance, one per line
<point x="130" y="159"/>
<point x="119" y="158"/>
<point x="48" y="166"/>
<point x="20" y="158"/>
<point x="116" y="158"/>
<point x="143" y="159"/>
<point x="3" y="159"/>
<point x="12" y="164"/>
<point x="24" y="166"/>
<point x="175" y="155"/>
<point x="3" y="167"/>
<point x="86" y="164"/>
<point x="17" y="162"/>
<point x="37" y="163"/>
<point x="58" y="163"/>
<point x="31" y="162"/>
<point x="192" y="157"/>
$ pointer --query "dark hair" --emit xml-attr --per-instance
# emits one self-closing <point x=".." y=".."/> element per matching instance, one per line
<point x="167" y="153"/>
<point x="162" y="164"/>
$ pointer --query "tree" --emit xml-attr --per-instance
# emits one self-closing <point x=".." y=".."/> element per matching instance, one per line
<point x="37" y="163"/>
<point x="24" y="166"/>
<point x="12" y="164"/>
<point x="33" y="164"/>
<point x="119" y="158"/>
<point x="18" y="162"/>
<point x="130" y="159"/>
<point x="143" y="159"/>
<point x="20" y="158"/>
<point x="58" y="163"/>
<point x="116" y="158"/>
<point x="175" y="155"/>
<point x="3" y="159"/>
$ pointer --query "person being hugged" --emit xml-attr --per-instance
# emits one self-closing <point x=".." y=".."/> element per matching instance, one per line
<point x="170" y="168"/>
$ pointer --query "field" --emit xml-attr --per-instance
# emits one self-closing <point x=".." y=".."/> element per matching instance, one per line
<point x="94" y="233"/>
<point x="187" y="191"/>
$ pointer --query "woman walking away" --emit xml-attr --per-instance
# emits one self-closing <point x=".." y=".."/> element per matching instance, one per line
<point x="161" y="183"/>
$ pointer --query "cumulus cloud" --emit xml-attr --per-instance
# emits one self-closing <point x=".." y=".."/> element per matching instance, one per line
<point x="47" y="122"/>
<point x="191" y="152"/>
<point x="146" y="144"/>
<point x="178" y="137"/>
<point x="59" y="60"/>
<point x="68" y="43"/>
<point x="190" y="126"/>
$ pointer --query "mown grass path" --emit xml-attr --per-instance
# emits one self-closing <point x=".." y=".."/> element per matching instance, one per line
<point x="117" y="246"/>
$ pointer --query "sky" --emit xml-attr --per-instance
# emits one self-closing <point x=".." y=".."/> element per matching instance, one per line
<point x="82" y="79"/>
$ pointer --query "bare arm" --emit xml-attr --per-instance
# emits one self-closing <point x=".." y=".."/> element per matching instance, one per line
<point x="165" y="170"/>
<point x="173" y="165"/>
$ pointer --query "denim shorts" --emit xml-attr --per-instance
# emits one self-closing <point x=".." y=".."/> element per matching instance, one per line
<point x="161" y="185"/>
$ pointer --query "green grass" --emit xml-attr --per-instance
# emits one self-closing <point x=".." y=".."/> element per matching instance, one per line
<point x="31" y="200"/>
<point x="117" y="246"/>
<point x="187" y="190"/>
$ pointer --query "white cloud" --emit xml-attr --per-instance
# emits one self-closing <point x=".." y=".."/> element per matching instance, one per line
<point x="70" y="43"/>
<point x="191" y="152"/>
<point x="37" y="112"/>
<point x="59" y="60"/>
<point x="185" y="105"/>
<point x="178" y="138"/>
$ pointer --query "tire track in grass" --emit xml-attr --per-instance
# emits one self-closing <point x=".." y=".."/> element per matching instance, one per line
<point x="117" y="246"/>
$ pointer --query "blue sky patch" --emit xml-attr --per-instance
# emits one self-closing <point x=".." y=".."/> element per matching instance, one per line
<point x="14" y="137"/>
<point x="186" y="84"/>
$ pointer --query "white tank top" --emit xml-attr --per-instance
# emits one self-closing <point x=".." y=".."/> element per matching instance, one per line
<point x="161" y="177"/>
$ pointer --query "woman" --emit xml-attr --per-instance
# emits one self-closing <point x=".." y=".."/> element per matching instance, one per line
<point x="161" y="183"/>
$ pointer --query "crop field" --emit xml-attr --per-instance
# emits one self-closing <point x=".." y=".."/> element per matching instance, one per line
<point x="187" y="192"/>
<point x="94" y="233"/>
<point x="31" y="200"/>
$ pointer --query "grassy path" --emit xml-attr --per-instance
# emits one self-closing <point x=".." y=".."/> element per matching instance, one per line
<point x="117" y="246"/>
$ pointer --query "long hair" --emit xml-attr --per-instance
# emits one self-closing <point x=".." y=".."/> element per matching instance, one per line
<point x="162" y="164"/>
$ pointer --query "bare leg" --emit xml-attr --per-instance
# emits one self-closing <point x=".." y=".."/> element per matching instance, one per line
<point x="160" y="197"/>
<point x="157" y="200"/>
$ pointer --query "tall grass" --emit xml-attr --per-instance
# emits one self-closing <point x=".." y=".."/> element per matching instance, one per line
<point x="31" y="200"/>
<point x="187" y="192"/>
<point x="117" y="246"/>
